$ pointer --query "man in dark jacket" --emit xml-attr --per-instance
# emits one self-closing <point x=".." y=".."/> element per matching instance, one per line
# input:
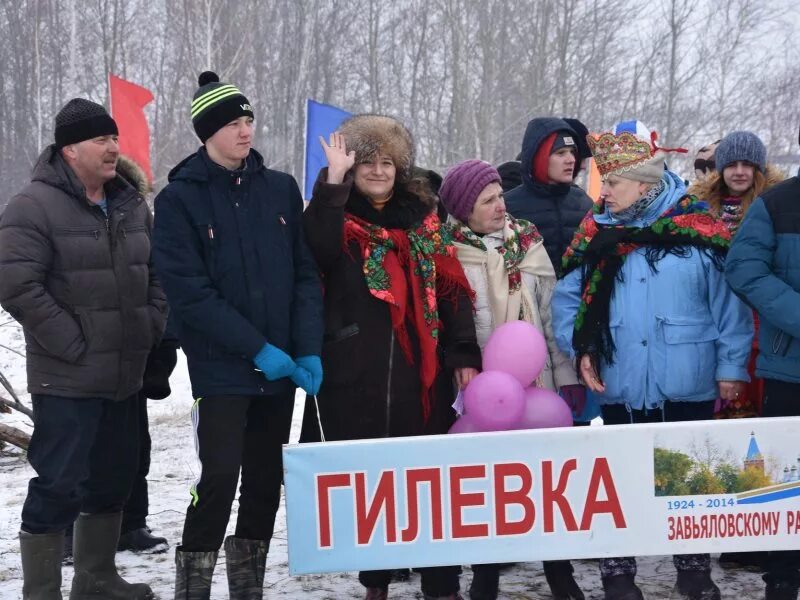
<point x="247" y="299"/>
<point x="547" y="197"/>
<point x="75" y="272"/>
<point x="763" y="267"/>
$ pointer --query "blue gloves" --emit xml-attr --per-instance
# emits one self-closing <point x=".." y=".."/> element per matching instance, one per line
<point x="274" y="362"/>
<point x="312" y="365"/>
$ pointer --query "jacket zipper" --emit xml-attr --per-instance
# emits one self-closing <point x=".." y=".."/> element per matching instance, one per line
<point x="389" y="385"/>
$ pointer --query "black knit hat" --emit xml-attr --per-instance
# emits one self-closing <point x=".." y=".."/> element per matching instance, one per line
<point x="216" y="104"/>
<point x="81" y="120"/>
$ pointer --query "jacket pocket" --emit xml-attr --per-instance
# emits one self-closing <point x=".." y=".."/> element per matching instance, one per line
<point x="689" y="368"/>
<point x="86" y="330"/>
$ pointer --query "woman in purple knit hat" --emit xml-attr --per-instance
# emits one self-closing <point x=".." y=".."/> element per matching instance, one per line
<point x="508" y="268"/>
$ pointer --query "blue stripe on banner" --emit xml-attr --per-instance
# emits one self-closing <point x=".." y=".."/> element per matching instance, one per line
<point x="321" y="120"/>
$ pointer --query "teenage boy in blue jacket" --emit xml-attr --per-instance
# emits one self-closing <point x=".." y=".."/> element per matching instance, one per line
<point x="247" y="300"/>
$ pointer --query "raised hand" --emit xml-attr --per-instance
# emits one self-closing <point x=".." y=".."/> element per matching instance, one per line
<point x="340" y="161"/>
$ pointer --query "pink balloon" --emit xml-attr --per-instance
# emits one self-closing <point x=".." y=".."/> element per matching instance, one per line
<point x="544" y="408"/>
<point x="463" y="425"/>
<point x="494" y="401"/>
<point x="516" y="348"/>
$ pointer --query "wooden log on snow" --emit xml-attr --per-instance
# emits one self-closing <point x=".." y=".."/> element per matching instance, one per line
<point x="14" y="436"/>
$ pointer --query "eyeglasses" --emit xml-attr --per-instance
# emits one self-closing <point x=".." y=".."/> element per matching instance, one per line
<point x="701" y="164"/>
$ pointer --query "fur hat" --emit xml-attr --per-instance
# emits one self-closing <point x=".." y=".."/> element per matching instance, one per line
<point x="369" y="134"/>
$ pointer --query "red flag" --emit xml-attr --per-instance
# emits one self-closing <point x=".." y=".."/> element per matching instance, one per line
<point x="127" y="107"/>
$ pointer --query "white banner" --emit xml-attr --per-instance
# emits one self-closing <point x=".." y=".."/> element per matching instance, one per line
<point x="582" y="492"/>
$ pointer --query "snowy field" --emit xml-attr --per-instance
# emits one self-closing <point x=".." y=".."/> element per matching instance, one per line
<point x="174" y="468"/>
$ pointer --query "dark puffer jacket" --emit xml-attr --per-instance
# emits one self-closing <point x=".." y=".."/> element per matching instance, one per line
<point x="230" y="251"/>
<point x="80" y="283"/>
<point x="555" y="209"/>
<point x="369" y="389"/>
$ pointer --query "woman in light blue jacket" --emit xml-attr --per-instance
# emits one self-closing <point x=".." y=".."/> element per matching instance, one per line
<point x="646" y="312"/>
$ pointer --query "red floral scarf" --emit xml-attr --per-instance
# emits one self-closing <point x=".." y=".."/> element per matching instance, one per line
<point x="423" y="258"/>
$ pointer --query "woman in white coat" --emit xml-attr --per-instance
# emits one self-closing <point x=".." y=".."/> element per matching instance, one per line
<point x="508" y="268"/>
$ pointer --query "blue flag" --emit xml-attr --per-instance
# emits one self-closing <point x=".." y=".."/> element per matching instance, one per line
<point x="321" y="120"/>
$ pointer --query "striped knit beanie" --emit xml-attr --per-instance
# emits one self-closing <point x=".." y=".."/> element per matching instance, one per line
<point x="215" y="104"/>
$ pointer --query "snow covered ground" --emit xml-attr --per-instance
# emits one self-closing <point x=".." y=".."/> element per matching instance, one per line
<point x="174" y="468"/>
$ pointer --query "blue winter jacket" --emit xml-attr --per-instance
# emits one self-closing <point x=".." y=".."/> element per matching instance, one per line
<point x="763" y="267"/>
<point x="232" y="258"/>
<point x="677" y="331"/>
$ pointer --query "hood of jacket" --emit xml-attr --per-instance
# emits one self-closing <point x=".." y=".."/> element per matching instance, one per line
<point x="132" y="173"/>
<point x="53" y="170"/>
<point x="537" y="131"/>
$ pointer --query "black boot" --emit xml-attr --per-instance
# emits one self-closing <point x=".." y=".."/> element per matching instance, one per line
<point x="621" y="587"/>
<point x="695" y="585"/>
<point x="749" y="561"/>
<point x="485" y="582"/>
<point x="94" y="548"/>
<point x="142" y="541"/>
<point x="246" y="561"/>
<point x="559" y="575"/>
<point x="377" y="593"/>
<point x="193" y="572"/>
<point x="781" y="591"/>
<point x="41" y="565"/>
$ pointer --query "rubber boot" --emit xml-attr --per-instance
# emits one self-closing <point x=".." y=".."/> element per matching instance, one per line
<point x="695" y="585"/>
<point x="94" y="549"/>
<point x="560" y="578"/>
<point x="41" y="565"/>
<point x="246" y="561"/>
<point x="485" y="582"/>
<point x="621" y="587"/>
<point x="377" y="593"/>
<point x="780" y="590"/>
<point x="193" y="572"/>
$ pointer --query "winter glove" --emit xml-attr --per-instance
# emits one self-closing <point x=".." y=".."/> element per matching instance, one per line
<point x="313" y="365"/>
<point x="302" y="379"/>
<point x="160" y="363"/>
<point x="274" y="362"/>
<point x="575" y="397"/>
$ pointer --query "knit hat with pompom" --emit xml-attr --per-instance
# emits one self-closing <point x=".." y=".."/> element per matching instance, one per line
<point x="215" y="104"/>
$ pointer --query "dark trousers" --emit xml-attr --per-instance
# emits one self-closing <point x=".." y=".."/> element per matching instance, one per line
<point x="234" y="432"/>
<point x="618" y="414"/>
<point x="85" y="454"/>
<point x="135" y="511"/>
<point x="436" y="581"/>
<point x="782" y="399"/>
